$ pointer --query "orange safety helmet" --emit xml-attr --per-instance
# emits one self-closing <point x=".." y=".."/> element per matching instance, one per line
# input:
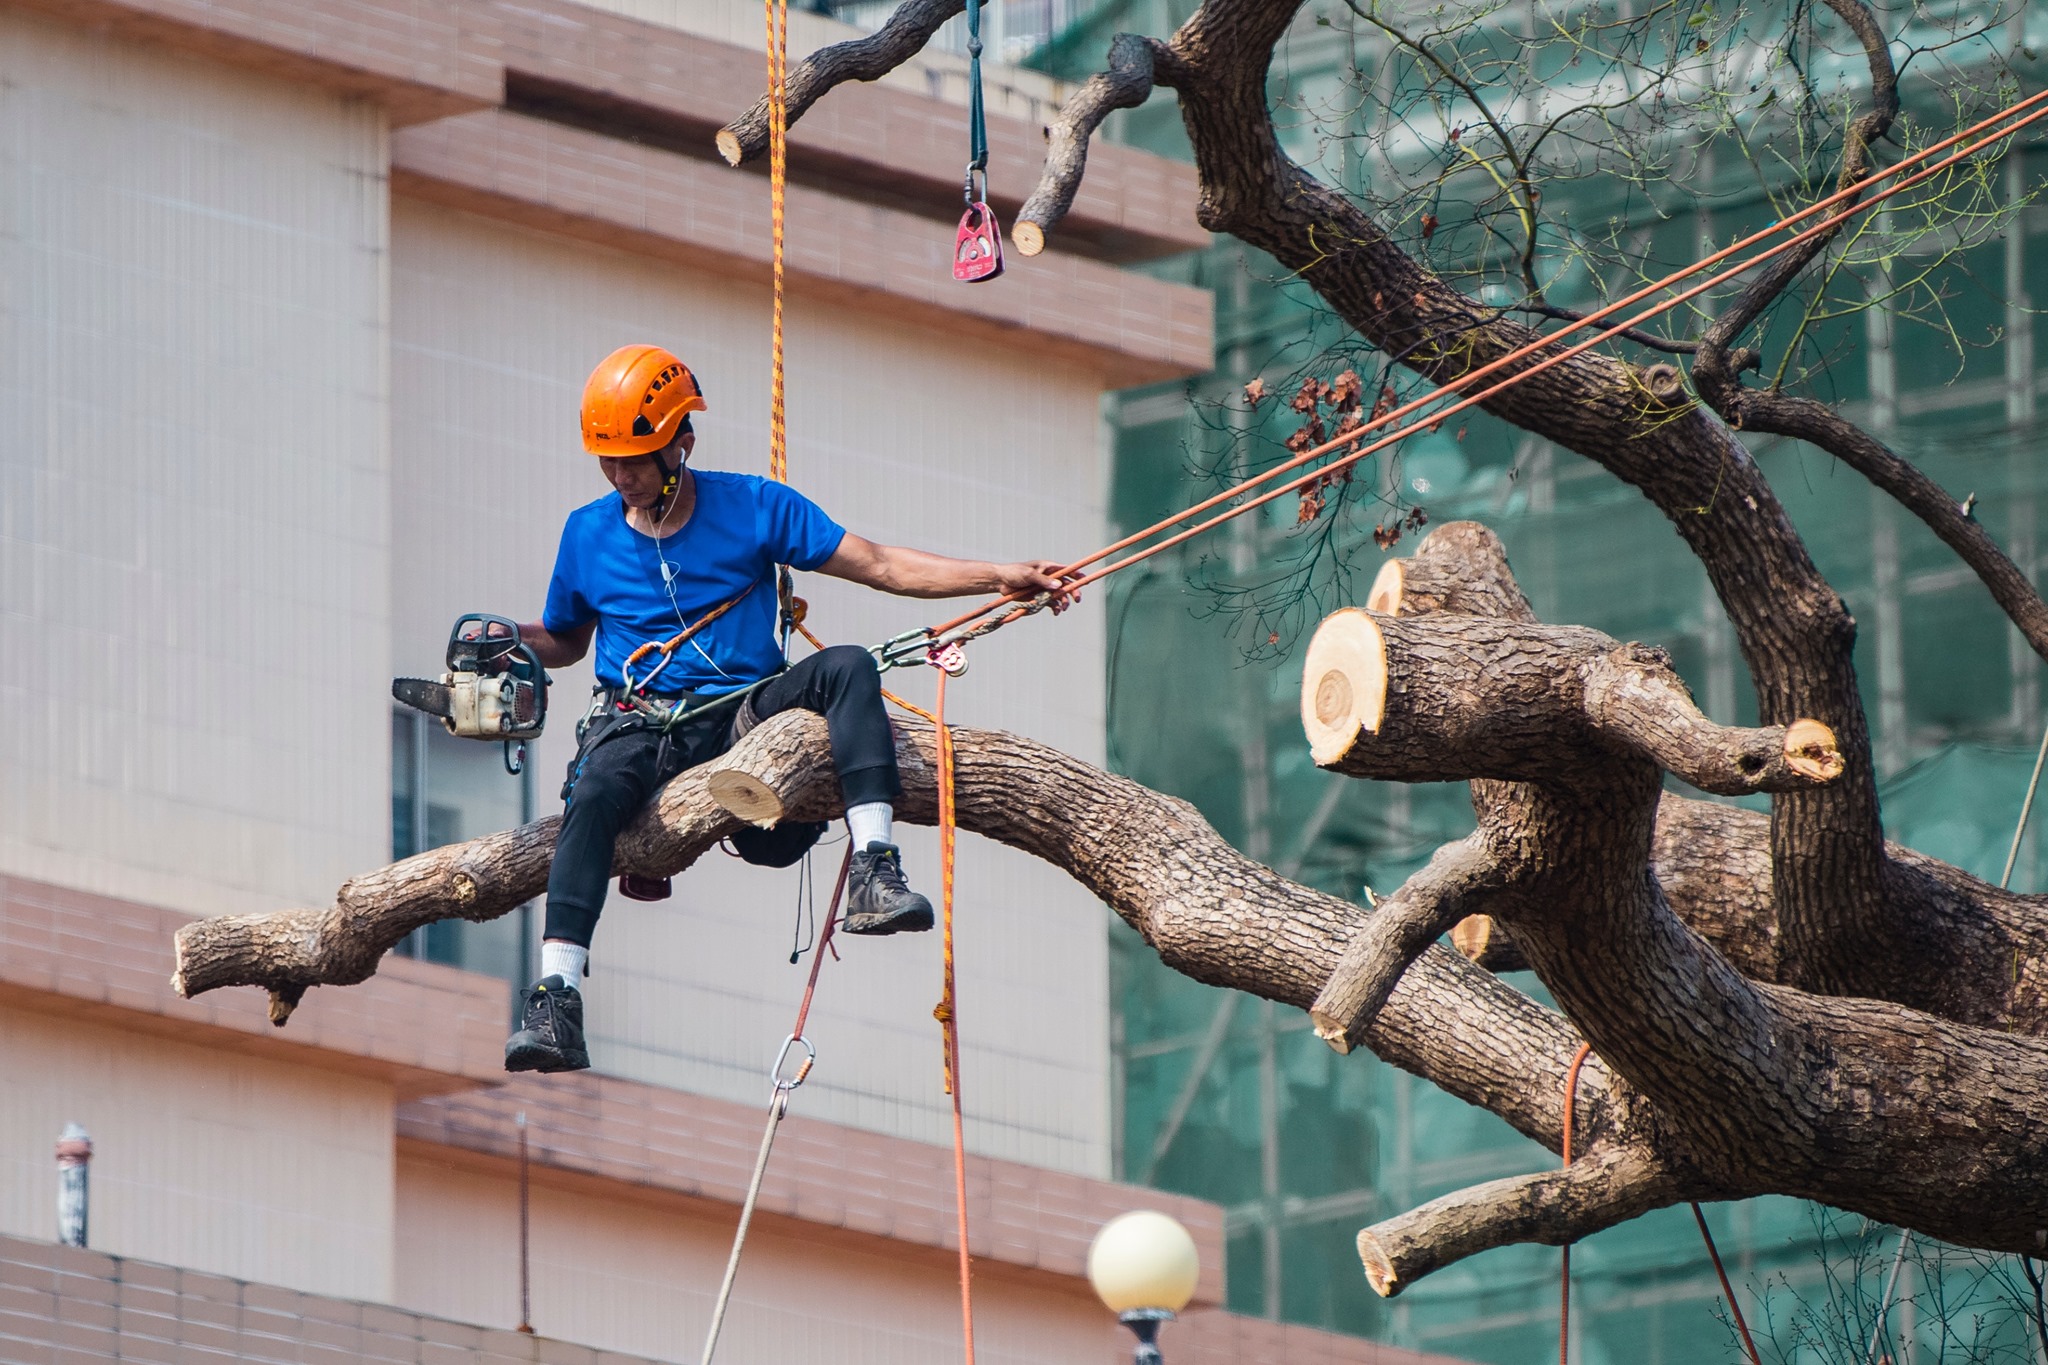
<point x="635" y="400"/>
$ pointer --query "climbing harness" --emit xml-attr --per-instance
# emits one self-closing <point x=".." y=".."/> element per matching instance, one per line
<point x="667" y="648"/>
<point x="978" y="245"/>
<point x="796" y="1047"/>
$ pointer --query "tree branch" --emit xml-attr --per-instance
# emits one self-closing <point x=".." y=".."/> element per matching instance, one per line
<point x="1863" y="132"/>
<point x="1447" y="698"/>
<point x="1554" y="1208"/>
<point x="1821" y="426"/>
<point x="1395" y="934"/>
<point x="858" y="59"/>
<point x="1135" y="63"/>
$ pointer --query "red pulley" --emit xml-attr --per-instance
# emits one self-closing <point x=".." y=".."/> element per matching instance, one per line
<point x="978" y="247"/>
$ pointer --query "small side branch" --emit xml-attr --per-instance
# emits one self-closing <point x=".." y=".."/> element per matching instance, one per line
<point x="1633" y="696"/>
<point x="1487" y="945"/>
<point x="1126" y="84"/>
<point x="1555" y="1208"/>
<point x="1461" y="567"/>
<point x="1395" y="934"/>
<point x="1906" y="484"/>
<point x="858" y="59"/>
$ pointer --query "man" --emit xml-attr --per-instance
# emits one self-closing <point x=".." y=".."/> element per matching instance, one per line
<point x="669" y="549"/>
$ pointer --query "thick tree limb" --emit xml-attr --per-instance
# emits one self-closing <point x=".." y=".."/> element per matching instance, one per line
<point x="1395" y="934"/>
<point x="1749" y="1079"/>
<point x="858" y="59"/>
<point x="1980" y="955"/>
<point x="1135" y="62"/>
<point x="1391" y="697"/>
<point x="1555" y="1208"/>
<point x="1211" y="913"/>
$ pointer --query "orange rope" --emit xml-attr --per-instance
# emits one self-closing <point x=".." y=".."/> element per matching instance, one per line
<point x="946" y="1013"/>
<point x="677" y="641"/>
<point x="777" y="15"/>
<point x="1352" y="437"/>
<point x="1564" y="1309"/>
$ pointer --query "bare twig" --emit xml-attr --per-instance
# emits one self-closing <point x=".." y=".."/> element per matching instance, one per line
<point x="1135" y="64"/>
<point x="858" y="59"/>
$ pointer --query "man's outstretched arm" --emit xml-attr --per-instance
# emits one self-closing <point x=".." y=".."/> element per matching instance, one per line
<point x="918" y="573"/>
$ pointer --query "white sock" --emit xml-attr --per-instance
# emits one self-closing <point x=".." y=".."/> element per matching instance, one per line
<point x="566" y="960"/>
<point x="871" y="822"/>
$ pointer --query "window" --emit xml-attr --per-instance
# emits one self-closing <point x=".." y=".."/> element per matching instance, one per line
<point x="445" y="790"/>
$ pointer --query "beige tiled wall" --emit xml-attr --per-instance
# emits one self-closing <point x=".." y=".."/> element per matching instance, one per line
<point x="202" y="1158"/>
<point x="193" y="476"/>
<point x="640" y="1276"/>
<point x="904" y="436"/>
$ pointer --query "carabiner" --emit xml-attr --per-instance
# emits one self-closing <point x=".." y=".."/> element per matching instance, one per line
<point x="785" y="1084"/>
<point x="970" y="192"/>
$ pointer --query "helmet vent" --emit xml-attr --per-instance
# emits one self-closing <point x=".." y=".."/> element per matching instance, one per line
<point x="641" y="426"/>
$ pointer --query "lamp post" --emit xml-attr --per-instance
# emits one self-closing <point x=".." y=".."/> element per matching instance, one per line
<point x="1143" y="1265"/>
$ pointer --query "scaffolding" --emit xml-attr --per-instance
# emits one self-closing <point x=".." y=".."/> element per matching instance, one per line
<point x="1229" y="1098"/>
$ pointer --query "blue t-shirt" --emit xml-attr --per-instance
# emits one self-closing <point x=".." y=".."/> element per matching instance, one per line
<point x="740" y="529"/>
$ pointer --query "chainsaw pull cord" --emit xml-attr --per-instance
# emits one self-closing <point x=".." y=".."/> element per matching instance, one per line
<point x="1564" y="1307"/>
<point x="785" y="1083"/>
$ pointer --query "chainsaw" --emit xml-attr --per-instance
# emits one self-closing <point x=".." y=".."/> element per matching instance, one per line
<point x="494" y="689"/>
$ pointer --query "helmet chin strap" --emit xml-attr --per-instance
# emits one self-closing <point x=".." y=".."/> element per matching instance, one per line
<point x="671" y="479"/>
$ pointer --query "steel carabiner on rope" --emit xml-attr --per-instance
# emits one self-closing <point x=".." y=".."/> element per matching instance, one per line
<point x="786" y="1083"/>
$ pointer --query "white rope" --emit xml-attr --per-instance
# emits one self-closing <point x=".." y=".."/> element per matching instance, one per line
<point x="777" y="1107"/>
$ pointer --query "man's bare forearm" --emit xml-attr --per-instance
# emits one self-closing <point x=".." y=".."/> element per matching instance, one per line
<point x="556" y="651"/>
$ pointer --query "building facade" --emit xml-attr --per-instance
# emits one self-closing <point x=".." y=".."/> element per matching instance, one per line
<point x="297" y="298"/>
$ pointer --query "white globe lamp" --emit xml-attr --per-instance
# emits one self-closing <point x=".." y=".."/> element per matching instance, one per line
<point x="1144" y="1266"/>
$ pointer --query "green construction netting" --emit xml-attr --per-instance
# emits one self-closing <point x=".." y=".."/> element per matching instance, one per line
<point x="1226" y="1098"/>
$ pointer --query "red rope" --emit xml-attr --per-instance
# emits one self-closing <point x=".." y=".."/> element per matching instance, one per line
<point x="803" y="1011"/>
<point x="1564" y="1308"/>
<point x="1350" y="438"/>
<point x="1727" y="1290"/>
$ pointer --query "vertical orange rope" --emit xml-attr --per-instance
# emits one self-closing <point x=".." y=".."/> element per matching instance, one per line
<point x="777" y="15"/>
<point x="945" y="1013"/>
<point x="1564" y="1293"/>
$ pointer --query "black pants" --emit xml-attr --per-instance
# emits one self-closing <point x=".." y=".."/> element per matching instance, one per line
<point x="614" y="775"/>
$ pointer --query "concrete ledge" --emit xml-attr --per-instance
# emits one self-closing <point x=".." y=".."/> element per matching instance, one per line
<point x="64" y="1304"/>
<point x="1133" y="329"/>
<point x="427" y="1028"/>
<point x="586" y="1126"/>
<point x="429" y="59"/>
<point x="417" y="59"/>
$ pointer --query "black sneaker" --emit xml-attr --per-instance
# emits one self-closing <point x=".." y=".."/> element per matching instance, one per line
<point x="881" y="902"/>
<point x="553" y="1037"/>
